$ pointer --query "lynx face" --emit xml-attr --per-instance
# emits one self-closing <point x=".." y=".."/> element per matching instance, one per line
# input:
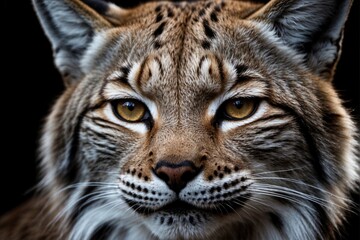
<point x="209" y="119"/>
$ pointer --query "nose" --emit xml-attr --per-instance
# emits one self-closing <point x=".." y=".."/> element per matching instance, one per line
<point x="176" y="175"/>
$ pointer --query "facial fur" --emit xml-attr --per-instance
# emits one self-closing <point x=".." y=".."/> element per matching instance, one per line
<point x="188" y="171"/>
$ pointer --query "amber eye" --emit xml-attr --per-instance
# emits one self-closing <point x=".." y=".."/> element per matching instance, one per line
<point x="130" y="110"/>
<point x="240" y="108"/>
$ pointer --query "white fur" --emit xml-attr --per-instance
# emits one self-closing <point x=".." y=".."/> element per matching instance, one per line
<point x="97" y="45"/>
<point x="157" y="185"/>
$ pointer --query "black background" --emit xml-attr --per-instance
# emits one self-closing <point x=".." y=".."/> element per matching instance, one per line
<point x="30" y="85"/>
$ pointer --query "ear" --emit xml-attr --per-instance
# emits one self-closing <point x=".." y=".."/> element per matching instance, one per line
<point x="71" y="26"/>
<point x="313" y="28"/>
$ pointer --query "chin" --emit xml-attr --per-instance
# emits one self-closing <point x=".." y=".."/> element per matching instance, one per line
<point x="191" y="224"/>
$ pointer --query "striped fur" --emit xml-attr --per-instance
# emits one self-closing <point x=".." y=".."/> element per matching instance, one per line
<point x="285" y="172"/>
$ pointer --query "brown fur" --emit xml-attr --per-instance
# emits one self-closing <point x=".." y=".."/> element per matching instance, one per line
<point x="293" y="161"/>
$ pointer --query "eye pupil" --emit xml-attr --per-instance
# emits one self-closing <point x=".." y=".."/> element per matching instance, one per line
<point x="238" y="104"/>
<point x="129" y="105"/>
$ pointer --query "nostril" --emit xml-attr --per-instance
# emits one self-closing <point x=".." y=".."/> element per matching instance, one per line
<point x="176" y="175"/>
<point x="163" y="176"/>
<point x="188" y="176"/>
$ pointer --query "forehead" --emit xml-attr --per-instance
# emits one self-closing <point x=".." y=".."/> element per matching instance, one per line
<point x="167" y="47"/>
<point x="184" y="29"/>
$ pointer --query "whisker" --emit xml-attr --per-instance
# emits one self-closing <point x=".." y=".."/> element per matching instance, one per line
<point x="287" y="192"/>
<point x="278" y="171"/>
<point x="296" y="193"/>
<point x="282" y="196"/>
<point x="85" y="184"/>
<point x="301" y="183"/>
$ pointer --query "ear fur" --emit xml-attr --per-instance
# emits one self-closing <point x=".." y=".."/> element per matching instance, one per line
<point x="313" y="28"/>
<point x="71" y="26"/>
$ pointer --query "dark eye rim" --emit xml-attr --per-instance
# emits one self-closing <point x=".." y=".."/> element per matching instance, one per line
<point x="221" y="114"/>
<point x="145" y="119"/>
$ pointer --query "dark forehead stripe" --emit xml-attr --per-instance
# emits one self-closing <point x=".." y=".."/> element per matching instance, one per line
<point x="159" y="17"/>
<point x="158" y="8"/>
<point x="217" y="8"/>
<point x="202" y="13"/>
<point x="213" y="16"/>
<point x="125" y="74"/>
<point x="159" y="30"/>
<point x="206" y="44"/>
<point x="203" y="10"/>
<point x="157" y="45"/>
<point x="209" y="32"/>
<point x="240" y="70"/>
<point x="170" y="13"/>
<point x="208" y="4"/>
<point x="161" y="14"/>
<point x="122" y="78"/>
<point x="220" y="65"/>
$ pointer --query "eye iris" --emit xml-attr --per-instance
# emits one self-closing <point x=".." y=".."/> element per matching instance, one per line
<point x="239" y="108"/>
<point x="131" y="111"/>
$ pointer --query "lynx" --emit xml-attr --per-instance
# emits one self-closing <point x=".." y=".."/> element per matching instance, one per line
<point x="193" y="120"/>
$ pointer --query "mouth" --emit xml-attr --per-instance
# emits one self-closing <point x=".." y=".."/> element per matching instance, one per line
<point x="175" y="207"/>
<point x="180" y="207"/>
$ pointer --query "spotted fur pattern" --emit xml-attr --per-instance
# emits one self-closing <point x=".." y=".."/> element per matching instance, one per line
<point x="285" y="172"/>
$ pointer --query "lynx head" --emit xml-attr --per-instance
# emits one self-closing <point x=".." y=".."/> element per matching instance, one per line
<point x="201" y="119"/>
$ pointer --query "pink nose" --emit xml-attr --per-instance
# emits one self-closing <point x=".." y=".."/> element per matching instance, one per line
<point x="176" y="176"/>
